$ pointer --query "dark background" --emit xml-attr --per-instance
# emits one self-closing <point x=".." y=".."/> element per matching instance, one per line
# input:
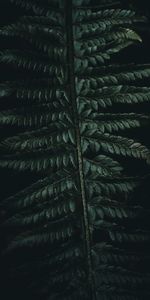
<point x="10" y="181"/>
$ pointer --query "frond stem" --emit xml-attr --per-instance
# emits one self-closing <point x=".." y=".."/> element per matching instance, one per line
<point x="72" y="93"/>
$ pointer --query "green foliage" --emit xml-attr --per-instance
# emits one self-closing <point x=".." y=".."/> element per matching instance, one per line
<point x="76" y="115"/>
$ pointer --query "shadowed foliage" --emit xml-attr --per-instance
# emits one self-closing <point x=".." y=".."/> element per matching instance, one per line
<point x="74" y="117"/>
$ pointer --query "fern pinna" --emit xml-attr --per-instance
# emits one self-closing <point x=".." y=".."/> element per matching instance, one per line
<point x="72" y="119"/>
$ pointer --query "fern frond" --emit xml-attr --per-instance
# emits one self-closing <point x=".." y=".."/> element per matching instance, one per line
<point x="43" y="237"/>
<point x="49" y="90"/>
<point x="102" y="165"/>
<point x="95" y="141"/>
<point x="29" y="61"/>
<point x="23" y="118"/>
<point x="107" y="186"/>
<point x="113" y="122"/>
<point x="40" y="161"/>
<point x="40" y="139"/>
<point x="107" y="254"/>
<point x="85" y="84"/>
<point x="78" y="228"/>
<point x="116" y="212"/>
<point x="135" y="237"/>
<point x="58" y="210"/>
<point x="106" y="97"/>
<point x="105" y="14"/>
<point x="32" y="31"/>
<point x="37" y="6"/>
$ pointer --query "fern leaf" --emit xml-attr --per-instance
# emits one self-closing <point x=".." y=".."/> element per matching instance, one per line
<point x="114" y="145"/>
<point x="75" y="126"/>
